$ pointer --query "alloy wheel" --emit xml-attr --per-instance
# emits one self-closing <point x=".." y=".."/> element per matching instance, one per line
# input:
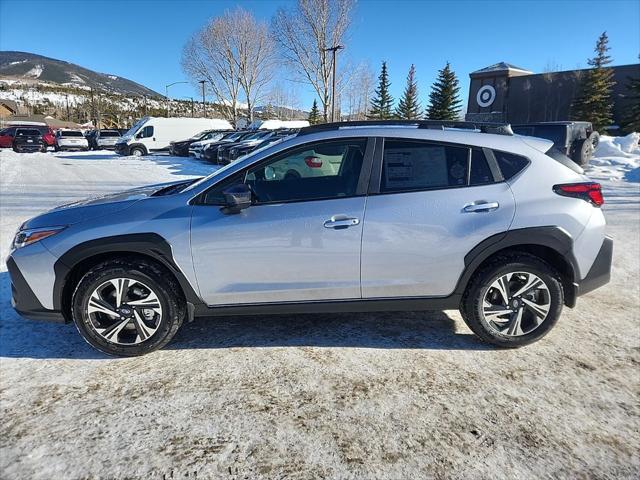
<point x="124" y="311"/>
<point x="516" y="303"/>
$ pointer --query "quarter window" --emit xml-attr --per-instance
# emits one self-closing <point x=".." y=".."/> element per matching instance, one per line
<point x="415" y="165"/>
<point x="510" y="164"/>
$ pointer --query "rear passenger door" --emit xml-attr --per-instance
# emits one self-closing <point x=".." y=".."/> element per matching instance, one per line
<point x="429" y="205"/>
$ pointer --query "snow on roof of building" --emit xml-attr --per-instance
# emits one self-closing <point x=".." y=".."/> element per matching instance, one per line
<point x="501" y="67"/>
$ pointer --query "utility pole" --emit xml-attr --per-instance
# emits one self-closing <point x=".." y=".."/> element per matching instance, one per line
<point x="333" y="49"/>
<point x="145" y="104"/>
<point x="93" y="108"/>
<point x="68" y="116"/>
<point x="204" y="106"/>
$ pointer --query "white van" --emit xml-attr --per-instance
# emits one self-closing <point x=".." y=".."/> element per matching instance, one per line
<point x="154" y="134"/>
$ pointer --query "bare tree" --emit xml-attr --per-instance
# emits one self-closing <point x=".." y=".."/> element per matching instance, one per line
<point x="255" y="55"/>
<point x="284" y="101"/>
<point x="209" y="56"/>
<point x="303" y="35"/>
<point x="358" y="92"/>
<point x="233" y="53"/>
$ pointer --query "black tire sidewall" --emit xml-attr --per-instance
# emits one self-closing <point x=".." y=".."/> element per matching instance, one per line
<point x="473" y="304"/>
<point x="171" y="318"/>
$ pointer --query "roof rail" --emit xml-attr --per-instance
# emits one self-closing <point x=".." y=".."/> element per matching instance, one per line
<point x="483" y="127"/>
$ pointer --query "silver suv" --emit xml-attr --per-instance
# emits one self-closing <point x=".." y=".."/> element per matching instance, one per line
<point x="368" y="216"/>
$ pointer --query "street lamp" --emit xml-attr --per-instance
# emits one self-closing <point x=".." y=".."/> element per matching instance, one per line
<point x="333" y="49"/>
<point x="204" y="106"/>
<point x="166" y="93"/>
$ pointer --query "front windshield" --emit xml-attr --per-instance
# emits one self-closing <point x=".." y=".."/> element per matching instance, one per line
<point x="134" y="127"/>
<point x="200" y="135"/>
<point x="221" y="171"/>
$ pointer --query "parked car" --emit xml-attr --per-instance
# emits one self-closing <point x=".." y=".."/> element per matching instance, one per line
<point x="181" y="147"/>
<point x="71" y="140"/>
<point x="210" y="151"/>
<point x="28" y="139"/>
<point x="243" y="149"/>
<point x="7" y="134"/>
<point x="155" y="134"/>
<point x="104" y="139"/>
<point x="576" y="140"/>
<point x="409" y="217"/>
<point x="253" y="139"/>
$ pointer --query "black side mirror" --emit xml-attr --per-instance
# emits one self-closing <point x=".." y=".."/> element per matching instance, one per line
<point x="237" y="198"/>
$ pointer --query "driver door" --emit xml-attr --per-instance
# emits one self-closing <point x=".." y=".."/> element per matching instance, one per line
<point x="298" y="241"/>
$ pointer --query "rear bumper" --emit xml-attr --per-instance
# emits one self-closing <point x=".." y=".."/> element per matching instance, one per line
<point x="600" y="272"/>
<point x="24" y="301"/>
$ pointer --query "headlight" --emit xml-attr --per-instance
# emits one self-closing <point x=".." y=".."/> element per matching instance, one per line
<point x="32" y="235"/>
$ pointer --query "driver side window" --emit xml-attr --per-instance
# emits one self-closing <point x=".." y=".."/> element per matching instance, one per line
<point x="315" y="171"/>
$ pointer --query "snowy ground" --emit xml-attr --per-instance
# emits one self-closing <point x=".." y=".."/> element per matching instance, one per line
<point x="394" y="395"/>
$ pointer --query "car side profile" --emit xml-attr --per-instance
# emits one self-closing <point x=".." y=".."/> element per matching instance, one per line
<point x="417" y="215"/>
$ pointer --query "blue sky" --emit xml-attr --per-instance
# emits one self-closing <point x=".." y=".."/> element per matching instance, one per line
<point x="142" y="40"/>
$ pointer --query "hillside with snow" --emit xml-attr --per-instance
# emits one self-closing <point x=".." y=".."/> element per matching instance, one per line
<point x="29" y="68"/>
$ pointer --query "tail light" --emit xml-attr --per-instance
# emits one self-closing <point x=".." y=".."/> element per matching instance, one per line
<point x="589" y="192"/>
<point x="313" y="162"/>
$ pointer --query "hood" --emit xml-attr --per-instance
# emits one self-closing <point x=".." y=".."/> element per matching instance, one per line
<point x="94" y="207"/>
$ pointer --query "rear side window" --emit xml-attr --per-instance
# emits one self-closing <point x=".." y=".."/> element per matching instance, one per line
<point x="416" y="165"/>
<point x="480" y="172"/>
<point x="510" y="164"/>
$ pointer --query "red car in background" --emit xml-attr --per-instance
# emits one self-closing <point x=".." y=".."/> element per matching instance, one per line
<point x="7" y="134"/>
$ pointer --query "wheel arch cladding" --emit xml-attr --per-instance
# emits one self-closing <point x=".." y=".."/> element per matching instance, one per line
<point x="551" y="244"/>
<point x="70" y="267"/>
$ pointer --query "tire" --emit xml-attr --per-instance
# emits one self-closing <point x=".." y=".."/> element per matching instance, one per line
<point x="291" y="175"/>
<point x="508" y="330"/>
<point x="137" y="152"/>
<point x="145" y="282"/>
<point x="16" y="149"/>
<point x="585" y="148"/>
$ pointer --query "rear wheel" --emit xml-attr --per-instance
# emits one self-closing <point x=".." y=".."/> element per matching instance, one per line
<point x="513" y="301"/>
<point x="127" y="308"/>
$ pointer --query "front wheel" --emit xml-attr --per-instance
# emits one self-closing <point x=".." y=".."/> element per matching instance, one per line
<point x="127" y="307"/>
<point x="514" y="301"/>
<point x="137" y="152"/>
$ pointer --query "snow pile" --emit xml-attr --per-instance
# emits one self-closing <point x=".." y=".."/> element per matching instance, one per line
<point x="617" y="158"/>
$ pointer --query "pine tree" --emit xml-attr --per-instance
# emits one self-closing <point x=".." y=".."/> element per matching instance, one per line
<point x="444" y="99"/>
<point x="631" y="121"/>
<point x="382" y="103"/>
<point x="409" y="106"/>
<point x="593" y="103"/>
<point x="314" y="114"/>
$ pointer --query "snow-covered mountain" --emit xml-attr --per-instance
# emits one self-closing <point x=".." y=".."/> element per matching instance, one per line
<point x="31" y="68"/>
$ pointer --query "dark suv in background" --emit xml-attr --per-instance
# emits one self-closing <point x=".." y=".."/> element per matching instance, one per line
<point x="28" y="139"/>
<point x="576" y="140"/>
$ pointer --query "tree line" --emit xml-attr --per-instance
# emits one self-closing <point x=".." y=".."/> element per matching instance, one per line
<point x="237" y="58"/>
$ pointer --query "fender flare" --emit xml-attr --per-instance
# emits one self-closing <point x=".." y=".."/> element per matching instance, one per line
<point x="148" y="244"/>
<point x="552" y="237"/>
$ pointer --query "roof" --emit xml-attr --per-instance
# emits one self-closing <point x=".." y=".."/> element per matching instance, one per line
<point x="48" y="120"/>
<point x="501" y="67"/>
<point x="10" y="104"/>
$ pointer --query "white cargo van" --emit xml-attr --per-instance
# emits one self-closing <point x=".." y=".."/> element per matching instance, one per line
<point x="154" y="134"/>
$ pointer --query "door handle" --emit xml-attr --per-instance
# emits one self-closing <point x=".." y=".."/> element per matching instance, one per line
<point x="481" y="206"/>
<point x="341" y="221"/>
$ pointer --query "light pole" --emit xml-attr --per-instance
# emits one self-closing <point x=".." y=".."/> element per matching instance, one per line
<point x="333" y="49"/>
<point x="166" y="93"/>
<point x="204" y="106"/>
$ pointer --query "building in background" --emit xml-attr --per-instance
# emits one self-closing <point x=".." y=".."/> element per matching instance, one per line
<point x="506" y="93"/>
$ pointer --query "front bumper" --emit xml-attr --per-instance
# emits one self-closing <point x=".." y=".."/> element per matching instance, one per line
<point x="24" y="301"/>
<point x="121" y="148"/>
<point x="600" y="272"/>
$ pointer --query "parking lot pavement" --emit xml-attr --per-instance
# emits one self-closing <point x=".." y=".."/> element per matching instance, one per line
<point x="392" y="395"/>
